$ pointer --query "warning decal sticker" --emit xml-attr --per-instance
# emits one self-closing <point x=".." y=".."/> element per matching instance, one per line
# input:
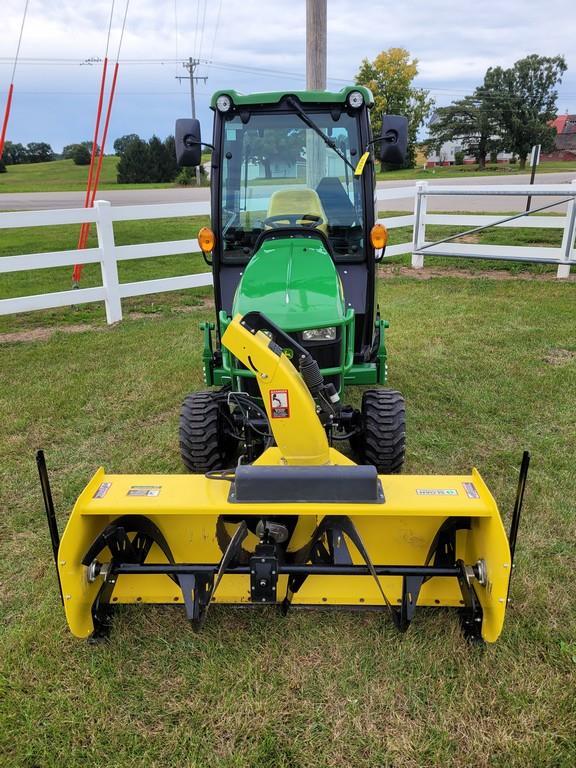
<point x="144" y="490"/>
<point x="471" y="491"/>
<point x="279" y="404"/>
<point x="437" y="492"/>
<point x="102" y="490"/>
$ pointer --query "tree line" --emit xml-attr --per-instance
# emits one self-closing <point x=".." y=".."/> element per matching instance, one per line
<point x="510" y="111"/>
<point x="140" y="161"/>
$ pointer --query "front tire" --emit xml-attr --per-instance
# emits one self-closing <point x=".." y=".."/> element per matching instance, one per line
<point x="205" y="442"/>
<point x="382" y="438"/>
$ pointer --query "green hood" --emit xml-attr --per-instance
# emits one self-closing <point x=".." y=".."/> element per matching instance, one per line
<point x="294" y="282"/>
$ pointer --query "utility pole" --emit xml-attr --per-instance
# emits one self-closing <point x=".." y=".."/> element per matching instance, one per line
<point x="191" y="65"/>
<point x="316" y="13"/>
<point x="315" y="81"/>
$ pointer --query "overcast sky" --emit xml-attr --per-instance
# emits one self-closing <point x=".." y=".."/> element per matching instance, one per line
<point x="254" y="46"/>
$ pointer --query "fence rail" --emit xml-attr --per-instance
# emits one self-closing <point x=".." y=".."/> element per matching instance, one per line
<point x="108" y="254"/>
<point x="564" y="256"/>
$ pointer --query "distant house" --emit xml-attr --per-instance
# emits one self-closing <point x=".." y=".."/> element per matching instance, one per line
<point x="450" y="150"/>
<point x="565" y="141"/>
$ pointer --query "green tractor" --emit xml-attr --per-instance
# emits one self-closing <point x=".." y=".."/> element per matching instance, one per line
<point x="294" y="236"/>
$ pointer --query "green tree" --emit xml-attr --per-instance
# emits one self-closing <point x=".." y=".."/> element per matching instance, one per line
<point x="14" y="153"/>
<point x="170" y="166"/>
<point x="523" y="101"/>
<point x="81" y="155"/>
<point x="275" y="146"/>
<point x="70" y="150"/>
<point x="134" y="166"/>
<point x="39" y="152"/>
<point x="469" y="121"/>
<point x="122" y="142"/>
<point x="390" y="78"/>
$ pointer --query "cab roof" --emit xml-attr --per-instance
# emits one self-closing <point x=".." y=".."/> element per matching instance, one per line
<point x="274" y="97"/>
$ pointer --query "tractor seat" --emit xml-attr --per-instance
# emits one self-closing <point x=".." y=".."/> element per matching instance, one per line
<point x="304" y="201"/>
<point x="336" y="202"/>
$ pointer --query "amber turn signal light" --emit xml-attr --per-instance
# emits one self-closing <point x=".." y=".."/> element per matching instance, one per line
<point x="378" y="236"/>
<point x="206" y="240"/>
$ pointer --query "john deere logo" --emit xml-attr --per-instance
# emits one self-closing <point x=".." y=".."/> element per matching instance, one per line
<point x="289" y="352"/>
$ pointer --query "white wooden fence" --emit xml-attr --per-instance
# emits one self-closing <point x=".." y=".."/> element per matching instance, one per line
<point x="563" y="256"/>
<point x="108" y="254"/>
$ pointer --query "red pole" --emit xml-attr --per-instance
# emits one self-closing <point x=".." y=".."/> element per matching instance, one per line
<point x="94" y="189"/>
<point x="6" y="116"/>
<point x="77" y="273"/>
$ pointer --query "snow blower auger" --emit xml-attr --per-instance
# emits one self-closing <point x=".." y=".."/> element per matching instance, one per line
<point x="301" y="526"/>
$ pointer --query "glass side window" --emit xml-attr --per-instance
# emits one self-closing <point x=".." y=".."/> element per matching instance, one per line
<point x="276" y="172"/>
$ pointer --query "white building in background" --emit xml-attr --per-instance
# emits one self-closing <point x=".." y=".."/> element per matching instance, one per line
<point x="449" y="150"/>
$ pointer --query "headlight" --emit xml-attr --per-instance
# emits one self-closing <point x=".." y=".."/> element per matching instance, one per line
<point x="355" y="99"/>
<point x="319" y="334"/>
<point x="223" y="103"/>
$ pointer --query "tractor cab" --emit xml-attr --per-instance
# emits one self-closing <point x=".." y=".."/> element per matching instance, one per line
<point x="294" y="231"/>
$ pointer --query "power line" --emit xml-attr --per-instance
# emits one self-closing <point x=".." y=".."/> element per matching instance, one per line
<point x="202" y="29"/>
<point x="195" y="48"/>
<point x="215" y="31"/>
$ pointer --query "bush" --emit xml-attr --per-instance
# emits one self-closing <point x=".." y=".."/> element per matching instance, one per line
<point x="513" y="160"/>
<point x="186" y="177"/>
<point x="80" y="155"/>
<point x="459" y="158"/>
<point x="2" y="166"/>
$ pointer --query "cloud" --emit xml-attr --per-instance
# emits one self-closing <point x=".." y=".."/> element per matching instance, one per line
<point x="454" y="42"/>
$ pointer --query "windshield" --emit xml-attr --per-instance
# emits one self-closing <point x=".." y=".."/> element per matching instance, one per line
<point x="278" y="172"/>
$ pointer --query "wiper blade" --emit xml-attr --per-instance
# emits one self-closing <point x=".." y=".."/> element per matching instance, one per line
<point x="291" y="101"/>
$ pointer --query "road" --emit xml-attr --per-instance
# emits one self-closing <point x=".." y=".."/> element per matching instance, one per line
<point x="31" y="201"/>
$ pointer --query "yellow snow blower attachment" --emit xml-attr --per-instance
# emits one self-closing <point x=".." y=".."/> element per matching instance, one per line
<point x="301" y="526"/>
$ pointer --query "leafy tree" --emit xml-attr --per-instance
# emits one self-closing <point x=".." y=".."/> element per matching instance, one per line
<point x="163" y="166"/>
<point x="70" y="150"/>
<point x="469" y="121"/>
<point x="122" y="142"/>
<point x="171" y="166"/>
<point x="81" y="155"/>
<point x="39" y="152"/>
<point x="134" y="166"/>
<point x="14" y="153"/>
<point x="523" y="101"/>
<point x="275" y="146"/>
<point x="147" y="162"/>
<point x="390" y="78"/>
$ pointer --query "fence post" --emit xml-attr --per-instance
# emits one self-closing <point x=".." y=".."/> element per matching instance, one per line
<point x="419" y="231"/>
<point x="568" y="236"/>
<point x="108" y="264"/>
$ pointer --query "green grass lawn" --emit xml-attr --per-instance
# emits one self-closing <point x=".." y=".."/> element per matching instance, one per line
<point x="458" y="171"/>
<point x="487" y="367"/>
<point x="41" y="239"/>
<point x="63" y="176"/>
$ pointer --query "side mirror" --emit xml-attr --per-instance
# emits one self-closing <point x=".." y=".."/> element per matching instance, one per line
<point x="188" y="142"/>
<point x="394" y="139"/>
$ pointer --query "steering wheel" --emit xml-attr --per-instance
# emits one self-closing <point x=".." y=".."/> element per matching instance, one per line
<point x="307" y="220"/>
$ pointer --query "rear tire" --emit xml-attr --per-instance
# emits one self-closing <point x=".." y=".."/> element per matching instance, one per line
<point x="382" y="439"/>
<point x="205" y="443"/>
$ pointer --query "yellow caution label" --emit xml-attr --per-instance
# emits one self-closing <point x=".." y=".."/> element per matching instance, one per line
<point x="361" y="163"/>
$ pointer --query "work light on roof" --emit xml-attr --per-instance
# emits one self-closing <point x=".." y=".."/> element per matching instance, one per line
<point x="355" y="99"/>
<point x="223" y="103"/>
